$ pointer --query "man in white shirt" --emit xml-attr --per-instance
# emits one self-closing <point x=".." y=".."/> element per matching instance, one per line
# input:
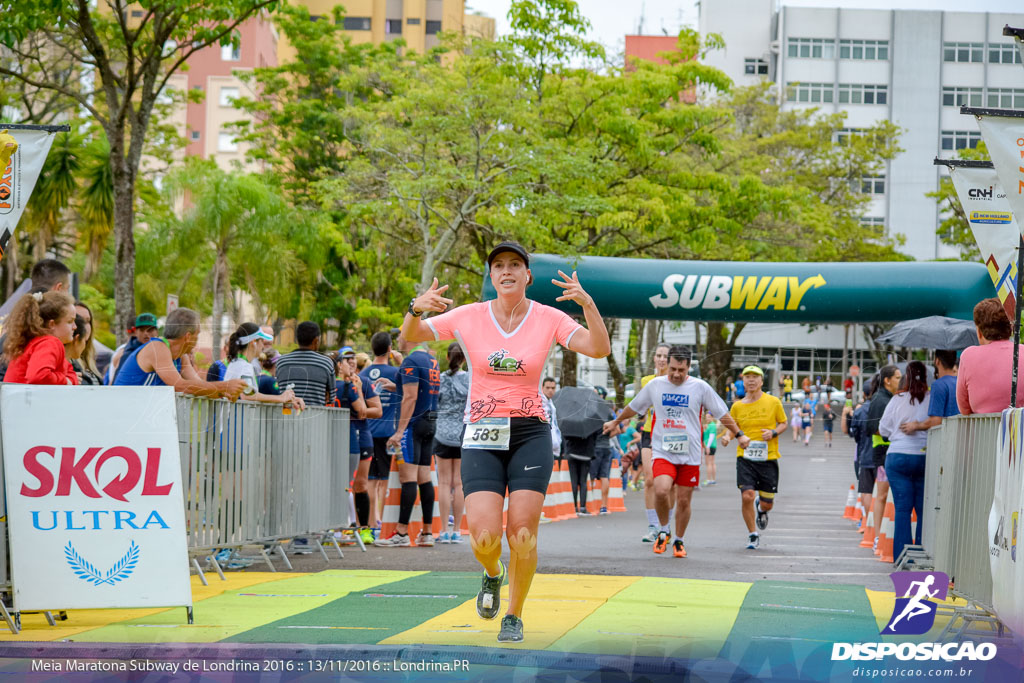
<point x="676" y="438"/>
<point x="547" y="390"/>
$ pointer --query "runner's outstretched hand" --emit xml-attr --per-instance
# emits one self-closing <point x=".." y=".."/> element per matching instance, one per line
<point x="431" y="300"/>
<point x="572" y="290"/>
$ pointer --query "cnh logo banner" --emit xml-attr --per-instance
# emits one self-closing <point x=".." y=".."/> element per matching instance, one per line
<point x="914" y="613"/>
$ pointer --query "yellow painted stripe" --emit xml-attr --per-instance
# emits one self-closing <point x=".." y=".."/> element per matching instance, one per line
<point x="34" y="626"/>
<point x="661" y="617"/>
<point x="557" y="603"/>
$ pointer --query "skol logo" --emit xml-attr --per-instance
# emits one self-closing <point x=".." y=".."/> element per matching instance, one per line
<point x="720" y="291"/>
<point x="7" y="188"/>
<point x="75" y="471"/>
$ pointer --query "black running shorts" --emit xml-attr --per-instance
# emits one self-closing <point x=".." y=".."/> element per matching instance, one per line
<point x="866" y="480"/>
<point x="645" y="439"/>
<point x="380" y="468"/>
<point x="418" y="441"/>
<point x="526" y="465"/>
<point x="447" y="452"/>
<point x="758" y="476"/>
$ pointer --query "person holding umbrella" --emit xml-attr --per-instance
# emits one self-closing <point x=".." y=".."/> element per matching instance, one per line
<point x="582" y="415"/>
<point x="507" y="442"/>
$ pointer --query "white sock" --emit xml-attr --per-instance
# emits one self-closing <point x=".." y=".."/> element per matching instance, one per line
<point x="652" y="517"/>
<point x="664" y="528"/>
<point x="754" y="533"/>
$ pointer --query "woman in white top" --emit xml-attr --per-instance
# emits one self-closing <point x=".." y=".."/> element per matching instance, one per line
<point x="902" y="424"/>
<point x="244" y="345"/>
<point x="795" y="422"/>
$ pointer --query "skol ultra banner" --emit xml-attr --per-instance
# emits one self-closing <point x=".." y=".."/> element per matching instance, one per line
<point x="1005" y="551"/>
<point x="94" y="499"/>
<point x="19" y="172"/>
<point x="988" y="213"/>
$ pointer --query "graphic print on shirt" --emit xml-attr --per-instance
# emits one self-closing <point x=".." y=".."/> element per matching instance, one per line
<point x="501" y="362"/>
<point x="483" y="408"/>
<point x="528" y="408"/>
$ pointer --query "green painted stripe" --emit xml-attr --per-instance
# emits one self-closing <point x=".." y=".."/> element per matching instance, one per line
<point x="660" y="617"/>
<point x="781" y="625"/>
<point x="234" y="612"/>
<point x="370" y="616"/>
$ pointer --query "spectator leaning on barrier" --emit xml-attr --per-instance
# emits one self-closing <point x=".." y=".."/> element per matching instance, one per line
<point x="37" y="330"/>
<point x="983" y="383"/>
<point x="267" y="381"/>
<point x="217" y="369"/>
<point x="904" y="464"/>
<point x="143" y="330"/>
<point x="48" y="275"/>
<point x="943" y="391"/>
<point x="86" y="367"/>
<point x="244" y="346"/>
<point x="168" y="361"/>
<point x="310" y="371"/>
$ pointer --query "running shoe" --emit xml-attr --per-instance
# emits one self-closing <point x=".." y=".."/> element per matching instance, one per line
<point x="444" y="537"/>
<point x="762" y="517"/>
<point x="488" y="600"/>
<point x="652" y="534"/>
<point x="425" y="540"/>
<point x="544" y="519"/>
<point x="395" y="541"/>
<point x="754" y="541"/>
<point x="366" y="535"/>
<point x="678" y="550"/>
<point x="661" y="543"/>
<point x="456" y="537"/>
<point x="300" y="546"/>
<point x="582" y="512"/>
<point x="511" y="629"/>
<point x="604" y="511"/>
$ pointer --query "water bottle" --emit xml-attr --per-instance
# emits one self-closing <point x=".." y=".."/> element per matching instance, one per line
<point x="287" y="408"/>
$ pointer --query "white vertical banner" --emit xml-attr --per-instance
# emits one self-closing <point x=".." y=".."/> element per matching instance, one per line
<point x="1003" y="130"/>
<point x="988" y="213"/>
<point x="94" y="497"/>
<point x="19" y="175"/>
<point x="1004" y="531"/>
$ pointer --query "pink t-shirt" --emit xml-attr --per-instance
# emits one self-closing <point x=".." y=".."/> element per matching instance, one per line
<point x="983" y="383"/>
<point x="505" y="368"/>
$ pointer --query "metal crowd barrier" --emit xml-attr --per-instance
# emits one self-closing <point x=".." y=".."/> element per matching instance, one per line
<point x="960" y="469"/>
<point x="254" y="476"/>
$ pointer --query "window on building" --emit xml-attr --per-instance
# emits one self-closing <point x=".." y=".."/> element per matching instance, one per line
<point x="1005" y="98"/>
<point x="872" y="221"/>
<point x="226" y="143"/>
<point x="963" y="52"/>
<point x="755" y="67"/>
<point x="955" y="96"/>
<point x="857" y="93"/>
<point x="843" y="135"/>
<point x="195" y="135"/>
<point x="960" y="139"/>
<point x="231" y="53"/>
<point x="1003" y="53"/>
<point x="356" y="23"/>
<point x="136" y="14"/>
<point x="393" y="26"/>
<point x="873" y="184"/>
<point x="433" y="27"/>
<point x="811" y="48"/>
<point x="413" y="21"/>
<point x="864" y="49"/>
<point x="809" y="92"/>
<point x="226" y="95"/>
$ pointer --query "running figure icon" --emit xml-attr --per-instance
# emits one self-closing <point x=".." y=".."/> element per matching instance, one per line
<point x="916" y="606"/>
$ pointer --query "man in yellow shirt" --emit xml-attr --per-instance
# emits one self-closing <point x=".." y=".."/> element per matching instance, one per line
<point x="761" y="418"/>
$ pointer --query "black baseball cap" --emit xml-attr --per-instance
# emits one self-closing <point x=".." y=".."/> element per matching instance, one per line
<point x="514" y="247"/>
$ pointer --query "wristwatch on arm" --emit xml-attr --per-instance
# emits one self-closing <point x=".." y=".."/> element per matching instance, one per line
<point x="412" y="311"/>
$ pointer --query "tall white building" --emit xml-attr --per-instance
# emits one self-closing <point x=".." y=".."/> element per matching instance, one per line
<point x="913" y="67"/>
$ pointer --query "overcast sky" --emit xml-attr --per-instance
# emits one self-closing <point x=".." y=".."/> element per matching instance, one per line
<point x="613" y="19"/>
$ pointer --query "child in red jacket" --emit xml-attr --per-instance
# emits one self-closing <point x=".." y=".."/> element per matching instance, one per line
<point x="37" y="330"/>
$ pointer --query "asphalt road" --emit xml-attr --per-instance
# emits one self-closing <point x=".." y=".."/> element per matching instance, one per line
<point x="807" y="538"/>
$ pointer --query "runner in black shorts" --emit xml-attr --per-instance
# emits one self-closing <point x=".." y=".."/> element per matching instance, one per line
<point x="507" y="442"/>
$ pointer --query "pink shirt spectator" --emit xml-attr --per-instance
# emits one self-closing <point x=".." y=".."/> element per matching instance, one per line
<point x="505" y="368"/>
<point x="983" y="383"/>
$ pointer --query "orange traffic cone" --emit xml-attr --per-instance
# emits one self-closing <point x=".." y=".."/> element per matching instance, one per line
<point x="851" y="503"/>
<point x="616" y="501"/>
<point x="551" y="497"/>
<point x="566" y="509"/>
<point x="868" y="529"/>
<point x="885" y="536"/>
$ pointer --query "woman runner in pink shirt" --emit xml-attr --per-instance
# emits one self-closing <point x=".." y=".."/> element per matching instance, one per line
<point x="507" y="441"/>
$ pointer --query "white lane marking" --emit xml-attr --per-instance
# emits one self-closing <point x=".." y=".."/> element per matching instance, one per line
<point x="813" y="573"/>
<point x="809" y="609"/>
<point x="812" y="557"/>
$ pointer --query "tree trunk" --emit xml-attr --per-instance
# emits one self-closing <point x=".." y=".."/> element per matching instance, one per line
<point x="721" y="343"/>
<point x="618" y="377"/>
<point x="569" y="361"/>
<point x="218" y="305"/>
<point x="124" y="241"/>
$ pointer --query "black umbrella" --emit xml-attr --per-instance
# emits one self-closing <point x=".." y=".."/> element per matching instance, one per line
<point x="933" y="332"/>
<point x="581" y="412"/>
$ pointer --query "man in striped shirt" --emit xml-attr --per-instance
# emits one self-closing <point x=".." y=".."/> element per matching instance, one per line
<point x="310" y="371"/>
